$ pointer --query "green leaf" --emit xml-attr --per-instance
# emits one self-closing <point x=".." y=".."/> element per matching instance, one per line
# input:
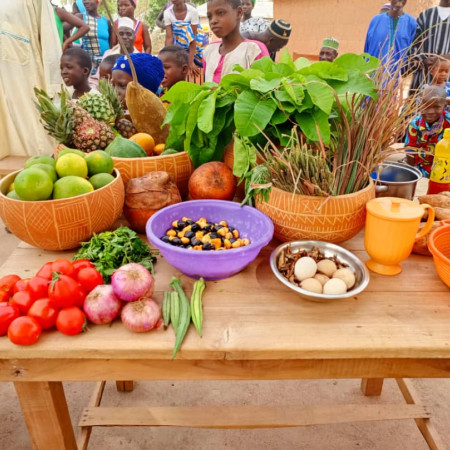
<point x="206" y="112"/>
<point x="295" y="91"/>
<point x="321" y="95"/>
<point x="358" y="83"/>
<point x="279" y="116"/>
<point x="286" y="58"/>
<point x="265" y="65"/>
<point x="192" y="119"/>
<point x="308" y="121"/>
<point x="251" y="73"/>
<point x="264" y="86"/>
<point x="301" y="62"/>
<point x="363" y="63"/>
<point x="224" y="100"/>
<point x="325" y="70"/>
<point x="252" y="113"/>
<point x="283" y="69"/>
<point x="233" y="80"/>
<point x="182" y="92"/>
<point x="244" y="156"/>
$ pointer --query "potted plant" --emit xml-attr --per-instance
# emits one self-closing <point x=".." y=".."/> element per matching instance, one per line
<point x="318" y="129"/>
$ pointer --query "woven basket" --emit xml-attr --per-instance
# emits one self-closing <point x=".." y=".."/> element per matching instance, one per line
<point x="331" y="219"/>
<point x="62" y="224"/>
<point x="178" y="165"/>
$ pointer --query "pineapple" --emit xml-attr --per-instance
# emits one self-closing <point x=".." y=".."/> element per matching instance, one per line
<point x="99" y="107"/>
<point x="92" y="135"/>
<point x="123" y="125"/>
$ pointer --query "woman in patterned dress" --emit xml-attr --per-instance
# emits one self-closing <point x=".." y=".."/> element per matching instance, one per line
<point x="251" y="24"/>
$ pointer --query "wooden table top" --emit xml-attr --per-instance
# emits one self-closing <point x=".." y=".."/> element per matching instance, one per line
<point x="253" y="316"/>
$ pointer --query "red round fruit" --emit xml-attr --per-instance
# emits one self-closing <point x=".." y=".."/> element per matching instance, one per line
<point x="7" y="314"/>
<point x="71" y="321"/>
<point x="89" y="278"/>
<point x="23" y="301"/>
<point x="64" y="291"/>
<point x="63" y="266"/>
<point x="45" y="271"/>
<point x="81" y="264"/>
<point x="24" y="331"/>
<point x="21" y="285"/>
<point x="8" y="282"/>
<point x="38" y="287"/>
<point x="44" y="312"/>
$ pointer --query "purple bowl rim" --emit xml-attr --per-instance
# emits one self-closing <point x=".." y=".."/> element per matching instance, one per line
<point x="263" y="241"/>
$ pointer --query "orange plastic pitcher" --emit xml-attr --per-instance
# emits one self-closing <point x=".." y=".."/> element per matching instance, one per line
<point x="391" y="230"/>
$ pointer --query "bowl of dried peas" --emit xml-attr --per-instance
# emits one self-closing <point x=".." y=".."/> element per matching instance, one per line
<point x="213" y="239"/>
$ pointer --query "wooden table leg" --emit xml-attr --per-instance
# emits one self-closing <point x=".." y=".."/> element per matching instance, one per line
<point x="372" y="386"/>
<point x="45" y="411"/>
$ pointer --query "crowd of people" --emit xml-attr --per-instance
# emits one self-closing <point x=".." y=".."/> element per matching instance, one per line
<point x="40" y="44"/>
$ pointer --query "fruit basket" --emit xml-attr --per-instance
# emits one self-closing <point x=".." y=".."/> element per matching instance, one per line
<point x="62" y="224"/>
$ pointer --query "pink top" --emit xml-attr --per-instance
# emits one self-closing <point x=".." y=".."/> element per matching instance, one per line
<point x="216" y="65"/>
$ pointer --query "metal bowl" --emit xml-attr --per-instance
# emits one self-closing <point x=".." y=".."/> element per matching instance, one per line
<point x="329" y="250"/>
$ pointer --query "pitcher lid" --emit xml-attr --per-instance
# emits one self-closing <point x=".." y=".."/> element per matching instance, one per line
<point x="394" y="208"/>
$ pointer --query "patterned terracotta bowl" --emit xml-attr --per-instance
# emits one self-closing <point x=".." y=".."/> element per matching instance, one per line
<point x="62" y="224"/>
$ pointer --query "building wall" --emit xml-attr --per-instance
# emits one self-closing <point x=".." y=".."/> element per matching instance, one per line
<point x="347" y="20"/>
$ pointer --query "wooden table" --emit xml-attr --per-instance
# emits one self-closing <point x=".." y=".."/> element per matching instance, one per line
<point x="254" y="329"/>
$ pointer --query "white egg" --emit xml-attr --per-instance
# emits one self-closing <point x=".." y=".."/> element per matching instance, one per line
<point x="327" y="267"/>
<point x="321" y="277"/>
<point x="335" y="286"/>
<point x="312" y="285"/>
<point x="305" y="268"/>
<point x="347" y="276"/>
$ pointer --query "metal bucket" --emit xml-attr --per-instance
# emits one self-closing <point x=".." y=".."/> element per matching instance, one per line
<point x="395" y="179"/>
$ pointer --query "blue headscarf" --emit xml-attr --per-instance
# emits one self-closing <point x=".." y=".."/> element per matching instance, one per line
<point x="149" y="69"/>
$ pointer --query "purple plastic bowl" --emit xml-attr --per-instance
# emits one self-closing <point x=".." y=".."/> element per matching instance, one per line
<point x="211" y="265"/>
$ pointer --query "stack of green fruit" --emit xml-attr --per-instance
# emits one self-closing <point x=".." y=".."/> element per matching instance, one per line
<point x="72" y="173"/>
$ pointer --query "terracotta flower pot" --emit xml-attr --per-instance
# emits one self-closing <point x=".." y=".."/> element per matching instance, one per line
<point x="62" y="224"/>
<point x="332" y="219"/>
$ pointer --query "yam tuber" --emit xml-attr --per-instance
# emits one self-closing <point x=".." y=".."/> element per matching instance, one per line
<point x="440" y="200"/>
<point x="442" y="213"/>
<point x="421" y="246"/>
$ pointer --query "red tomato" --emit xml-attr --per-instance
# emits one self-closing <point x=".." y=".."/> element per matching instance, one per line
<point x="83" y="295"/>
<point x="23" y="301"/>
<point x="44" y="312"/>
<point x="8" y="282"/>
<point x="45" y="271"/>
<point x="24" y="331"/>
<point x="63" y="266"/>
<point x="71" y="321"/>
<point x="89" y="278"/>
<point x="7" y="314"/>
<point x="38" y="287"/>
<point x="4" y="296"/>
<point x="81" y="264"/>
<point x="64" y="291"/>
<point x="21" y="285"/>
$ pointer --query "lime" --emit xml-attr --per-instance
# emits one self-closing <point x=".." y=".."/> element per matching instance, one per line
<point x="99" y="161"/>
<point x="70" y="150"/>
<point x="100" y="180"/>
<point x="49" y="170"/>
<point x="71" y="164"/>
<point x="33" y="184"/>
<point x="71" y="186"/>
<point x="13" y="195"/>
<point x="39" y="159"/>
<point x="11" y="187"/>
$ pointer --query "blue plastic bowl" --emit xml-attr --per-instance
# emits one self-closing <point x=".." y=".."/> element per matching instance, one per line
<point x="211" y="265"/>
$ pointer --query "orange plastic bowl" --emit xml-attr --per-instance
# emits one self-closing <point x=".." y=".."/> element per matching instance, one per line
<point x="439" y="245"/>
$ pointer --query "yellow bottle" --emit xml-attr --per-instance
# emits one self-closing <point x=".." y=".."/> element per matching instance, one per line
<point x="440" y="170"/>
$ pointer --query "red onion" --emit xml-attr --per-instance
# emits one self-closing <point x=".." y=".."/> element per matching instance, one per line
<point x="101" y="305"/>
<point x="141" y="316"/>
<point x="132" y="282"/>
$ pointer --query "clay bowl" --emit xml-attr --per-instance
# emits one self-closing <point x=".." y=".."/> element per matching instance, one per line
<point x="62" y="224"/>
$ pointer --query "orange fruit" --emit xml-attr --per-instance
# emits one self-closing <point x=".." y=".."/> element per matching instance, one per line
<point x="159" y="149"/>
<point x="145" y="141"/>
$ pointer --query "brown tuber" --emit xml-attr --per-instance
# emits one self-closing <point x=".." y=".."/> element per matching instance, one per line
<point x="146" y="195"/>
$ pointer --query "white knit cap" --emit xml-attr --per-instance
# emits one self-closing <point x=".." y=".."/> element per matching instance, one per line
<point x="125" y="22"/>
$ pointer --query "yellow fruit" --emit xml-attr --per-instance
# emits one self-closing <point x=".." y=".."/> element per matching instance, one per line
<point x="71" y="164"/>
<point x="145" y="141"/>
<point x="99" y="162"/>
<point x="71" y="186"/>
<point x="159" y="149"/>
<point x="100" y="180"/>
<point x="33" y="184"/>
<point x="11" y="187"/>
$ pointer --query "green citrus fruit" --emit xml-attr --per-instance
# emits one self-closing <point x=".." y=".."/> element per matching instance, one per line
<point x="71" y="186"/>
<point x="33" y="184"/>
<point x="71" y="164"/>
<point x="99" y="161"/>
<point x="39" y="159"/>
<point x="11" y="187"/>
<point x="70" y="150"/>
<point x="13" y="195"/>
<point x="49" y="170"/>
<point x="101" y="179"/>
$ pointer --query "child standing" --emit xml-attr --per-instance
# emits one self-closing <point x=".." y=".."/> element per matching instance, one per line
<point x="175" y="64"/>
<point x="427" y="129"/>
<point x="219" y="57"/>
<point x="75" y="68"/>
<point x="440" y="72"/>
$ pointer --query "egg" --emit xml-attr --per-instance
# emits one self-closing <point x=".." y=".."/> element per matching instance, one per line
<point x="305" y="268"/>
<point x="327" y="267"/>
<point x="335" y="286"/>
<point x="311" y="285"/>
<point x="347" y="276"/>
<point x="321" y="277"/>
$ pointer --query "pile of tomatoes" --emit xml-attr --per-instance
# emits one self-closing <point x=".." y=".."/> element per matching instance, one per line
<point x="54" y="297"/>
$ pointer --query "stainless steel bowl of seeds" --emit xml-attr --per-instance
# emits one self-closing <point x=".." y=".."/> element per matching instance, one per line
<point x="319" y="271"/>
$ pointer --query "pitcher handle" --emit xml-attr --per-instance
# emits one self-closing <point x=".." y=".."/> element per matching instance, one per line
<point x="425" y="230"/>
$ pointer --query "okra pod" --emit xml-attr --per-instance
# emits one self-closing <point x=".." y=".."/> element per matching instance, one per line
<point x="197" y="306"/>
<point x="174" y="310"/>
<point x="166" y="308"/>
<point x="185" y="314"/>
